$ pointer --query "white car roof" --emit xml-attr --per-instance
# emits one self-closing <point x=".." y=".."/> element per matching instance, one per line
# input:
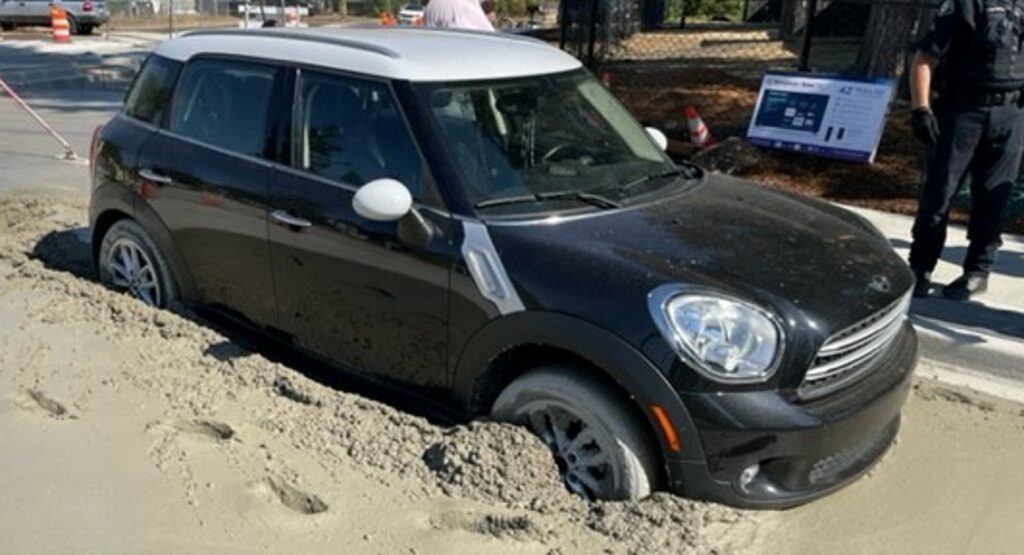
<point x="413" y="54"/>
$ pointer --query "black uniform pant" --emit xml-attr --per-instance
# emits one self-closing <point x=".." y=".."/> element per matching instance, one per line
<point x="986" y="141"/>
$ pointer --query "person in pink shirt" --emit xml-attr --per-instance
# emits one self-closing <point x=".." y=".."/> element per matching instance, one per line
<point x="456" y="14"/>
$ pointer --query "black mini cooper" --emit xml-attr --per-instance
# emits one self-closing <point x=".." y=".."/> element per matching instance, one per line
<point x="475" y="219"/>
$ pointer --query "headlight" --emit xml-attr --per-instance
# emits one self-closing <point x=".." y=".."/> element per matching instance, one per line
<point x="725" y="339"/>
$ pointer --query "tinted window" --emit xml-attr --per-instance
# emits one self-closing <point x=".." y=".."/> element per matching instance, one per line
<point x="151" y="93"/>
<point x="225" y="103"/>
<point x="351" y="130"/>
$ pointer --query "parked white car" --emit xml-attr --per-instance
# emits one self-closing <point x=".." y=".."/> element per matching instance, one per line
<point x="83" y="15"/>
<point x="411" y="14"/>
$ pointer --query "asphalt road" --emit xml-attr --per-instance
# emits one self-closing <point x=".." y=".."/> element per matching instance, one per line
<point x="30" y="158"/>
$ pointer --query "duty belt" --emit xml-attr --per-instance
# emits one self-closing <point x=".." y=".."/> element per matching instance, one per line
<point x="986" y="98"/>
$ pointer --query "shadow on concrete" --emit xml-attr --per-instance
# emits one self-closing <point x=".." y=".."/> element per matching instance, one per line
<point x="972" y="314"/>
<point x="1009" y="263"/>
<point x="66" y="251"/>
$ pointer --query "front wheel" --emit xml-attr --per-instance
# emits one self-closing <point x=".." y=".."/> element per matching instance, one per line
<point x="601" y="448"/>
<point x="129" y="261"/>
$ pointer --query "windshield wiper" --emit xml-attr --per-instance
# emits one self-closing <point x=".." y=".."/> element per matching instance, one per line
<point x="688" y="171"/>
<point x="587" y="198"/>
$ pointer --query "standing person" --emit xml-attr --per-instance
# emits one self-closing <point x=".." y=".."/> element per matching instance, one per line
<point x="976" y="127"/>
<point x="456" y="14"/>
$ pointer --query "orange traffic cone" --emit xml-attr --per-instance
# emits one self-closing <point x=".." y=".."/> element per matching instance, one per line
<point x="699" y="133"/>
<point x="59" y="25"/>
<point x="293" y="17"/>
<point x="386" y="19"/>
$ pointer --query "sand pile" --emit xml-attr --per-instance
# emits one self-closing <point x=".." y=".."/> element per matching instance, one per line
<point x="206" y="445"/>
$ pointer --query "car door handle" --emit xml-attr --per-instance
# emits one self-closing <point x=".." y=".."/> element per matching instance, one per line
<point x="282" y="217"/>
<point x="150" y="175"/>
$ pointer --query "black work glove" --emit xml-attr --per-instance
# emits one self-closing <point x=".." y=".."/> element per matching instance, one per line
<point x="926" y="126"/>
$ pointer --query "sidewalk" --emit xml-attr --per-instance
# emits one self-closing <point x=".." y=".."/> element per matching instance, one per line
<point x="983" y="336"/>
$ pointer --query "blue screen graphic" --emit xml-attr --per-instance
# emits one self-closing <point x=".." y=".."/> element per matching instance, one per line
<point x="792" y="111"/>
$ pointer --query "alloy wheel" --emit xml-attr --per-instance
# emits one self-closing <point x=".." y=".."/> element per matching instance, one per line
<point x="582" y="460"/>
<point x="132" y="271"/>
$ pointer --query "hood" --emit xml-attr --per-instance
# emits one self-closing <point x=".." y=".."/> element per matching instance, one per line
<point x="817" y="266"/>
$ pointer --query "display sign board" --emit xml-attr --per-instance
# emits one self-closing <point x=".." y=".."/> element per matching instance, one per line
<point x="825" y="115"/>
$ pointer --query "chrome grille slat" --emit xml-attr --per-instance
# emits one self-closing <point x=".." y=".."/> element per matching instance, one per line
<point x="849" y="343"/>
<point x="847" y="355"/>
<point x="858" y="355"/>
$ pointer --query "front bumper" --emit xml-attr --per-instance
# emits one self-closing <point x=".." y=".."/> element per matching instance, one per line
<point x="96" y="18"/>
<point x="801" y="450"/>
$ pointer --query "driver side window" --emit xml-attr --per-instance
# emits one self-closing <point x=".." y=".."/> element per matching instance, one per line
<point x="351" y="131"/>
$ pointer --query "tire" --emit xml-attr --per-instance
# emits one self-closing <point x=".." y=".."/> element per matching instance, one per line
<point x="129" y="261"/>
<point x="72" y="25"/>
<point x="602" y="449"/>
<point x="7" y="26"/>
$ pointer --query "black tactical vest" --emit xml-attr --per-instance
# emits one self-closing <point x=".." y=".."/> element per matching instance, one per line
<point x="990" y="57"/>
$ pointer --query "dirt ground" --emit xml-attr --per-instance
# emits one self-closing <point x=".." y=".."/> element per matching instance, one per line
<point x="657" y="96"/>
<point x="126" y="429"/>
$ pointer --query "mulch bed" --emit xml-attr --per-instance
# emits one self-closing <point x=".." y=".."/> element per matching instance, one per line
<point x="658" y="96"/>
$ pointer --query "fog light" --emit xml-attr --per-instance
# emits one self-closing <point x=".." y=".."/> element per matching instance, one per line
<point x="748" y="475"/>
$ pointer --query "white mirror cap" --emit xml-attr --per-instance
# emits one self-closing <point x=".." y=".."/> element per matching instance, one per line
<point x="659" y="138"/>
<point x="382" y="200"/>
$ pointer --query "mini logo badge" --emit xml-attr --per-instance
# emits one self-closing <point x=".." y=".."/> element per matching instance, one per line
<point x="880" y="283"/>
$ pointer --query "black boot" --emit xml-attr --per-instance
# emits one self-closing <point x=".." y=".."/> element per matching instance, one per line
<point x="922" y="284"/>
<point x="965" y="287"/>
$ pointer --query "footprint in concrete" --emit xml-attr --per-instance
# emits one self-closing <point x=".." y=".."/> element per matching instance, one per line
<point x="211" y="429"/>
<point x="294" y="498"/>
<point x="514" y="527"/>
<point x="34" y="399"/>
<point x="285" y="388"/>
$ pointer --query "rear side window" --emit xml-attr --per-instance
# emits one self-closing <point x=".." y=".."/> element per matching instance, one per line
<point x="150" y="95"/>
<point x="225" y="103"/>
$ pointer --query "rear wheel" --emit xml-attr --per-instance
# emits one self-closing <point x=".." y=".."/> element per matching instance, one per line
<point x="602" y="449"/>
<point x="130" y="262"/>
<point x="72" y="25"/>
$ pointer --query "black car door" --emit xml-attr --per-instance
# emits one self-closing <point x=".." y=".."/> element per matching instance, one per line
<point x="347" y="288"/>
<point x="208" y="174"/>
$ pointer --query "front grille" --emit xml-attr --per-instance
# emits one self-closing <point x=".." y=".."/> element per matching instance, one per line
<point x="851" y="354"/>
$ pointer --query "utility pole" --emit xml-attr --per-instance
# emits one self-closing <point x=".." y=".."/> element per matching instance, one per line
<point x="805" y="50"/>
<point x="170" y="19"/>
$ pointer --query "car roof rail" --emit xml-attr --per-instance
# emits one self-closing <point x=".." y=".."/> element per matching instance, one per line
<point x="296" y="35"/>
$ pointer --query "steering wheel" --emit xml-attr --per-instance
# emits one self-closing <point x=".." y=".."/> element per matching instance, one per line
<point x="559" y="148"/>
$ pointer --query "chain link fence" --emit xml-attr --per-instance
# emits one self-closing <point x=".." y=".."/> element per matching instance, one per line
<point x="663" y="54"/>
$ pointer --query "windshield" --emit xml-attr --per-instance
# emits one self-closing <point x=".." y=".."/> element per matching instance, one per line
<point x="545" y="138"/>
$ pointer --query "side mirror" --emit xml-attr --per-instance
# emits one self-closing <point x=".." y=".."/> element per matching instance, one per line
<point x="658" y="137"/>
<point x="382" y="200"/>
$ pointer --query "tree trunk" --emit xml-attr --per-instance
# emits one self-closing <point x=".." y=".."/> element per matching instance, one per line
<point x="792" y="19"/>
<point x="886" y="42"/>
